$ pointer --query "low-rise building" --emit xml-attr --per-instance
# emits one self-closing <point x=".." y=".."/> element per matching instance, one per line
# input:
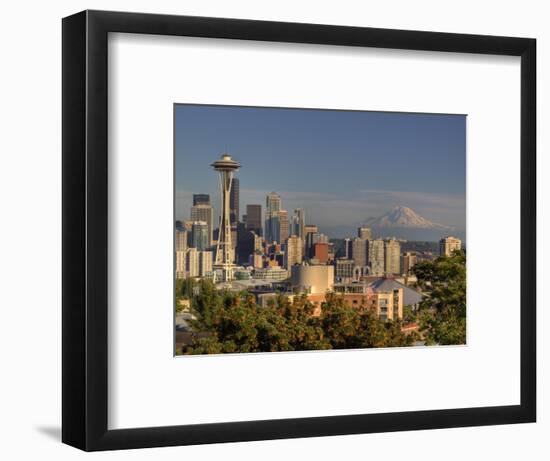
<point x="270" y="273"/>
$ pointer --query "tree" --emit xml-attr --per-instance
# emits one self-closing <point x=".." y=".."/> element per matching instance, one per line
<point x="236" y="323"/>
<point x="443" y="310"/>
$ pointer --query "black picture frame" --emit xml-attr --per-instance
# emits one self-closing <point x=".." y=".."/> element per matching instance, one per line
<point x="85" y="219"/>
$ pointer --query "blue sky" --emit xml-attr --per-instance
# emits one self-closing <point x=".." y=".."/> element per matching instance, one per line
<point x="340" y="166"/>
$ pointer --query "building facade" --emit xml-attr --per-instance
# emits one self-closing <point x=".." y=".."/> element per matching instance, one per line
<point x="181" y="266"/>
<point x="254" y="218"/>
<point x="284" y="225"/>
<point x="321" y="252"/>
<point x="409" y="261"/>
<point x="192" y="262"/>
<point x="392" y="256"/>
<point x="205" y="263"/>
<point x="312" y="279"/>
<point x="181" y="240"/>
<point x="359" y="251"/>
<point x="293" y="251"/>
<point x="200" y="238"/>
<point x="201" y="199"/>
<point x="449" y="244"/>
<point x="364" y="233"/>
<point x="376" y="257"/>
<point x="204" y="212"/>
<point x="344" y="269"/>
<point x="234" y="199"/>
<point x="272" y="220"/>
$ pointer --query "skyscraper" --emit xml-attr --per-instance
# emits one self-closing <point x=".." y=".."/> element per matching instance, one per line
<point x="201" y="199"/>
<point x="348" y="248"/>
<point x="234" y="201"/>
<point x="293" y="251"/>
<point x="449" y="244"/>
<point x="299" y="223"/>
<point x="199" y="236"/>
<point x="376" y="257"/>
<point x="392" y="256"/>
<point x="309" y="230"/>
<point x="283" y="223"/>
<point x="272" y="222"/>
<point x="225" y="166"/>
<point x="364" y="233"/>
<point x="359" y="251"/>
<point x="204" y="212"/>
<point x="181" y="240"/>
<point x="254" y="218"/>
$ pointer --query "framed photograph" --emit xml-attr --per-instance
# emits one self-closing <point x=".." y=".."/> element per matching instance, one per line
<point x="278" y="230"/>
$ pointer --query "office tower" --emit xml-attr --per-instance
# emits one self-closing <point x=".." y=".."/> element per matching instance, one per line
<point x="234" y="201"/>
<point x="320" y="252"/>
<point x="348" y="252"/>
<point x="359" y="251"/>
<point x="246" y="243"/>
<point x="179" y="225"/>
<point x="254" y="218"/>
<point x="309" y="229"/>
<point x="192" y="262"/>
<point x="344" y="269"/>
<point x="409" y="261"/>
<point x="375" y="257"/>
<point x="204" y="212"/>
<point x="181" y="264"/>
<point x="364" y="233"/>
<point x="272" y="224"/>
<point x="205" y="263"/>
<point x="225" y="166"/>
<point x="201" y="199"/>
<point x="449" y="244"/>
<point x="199" y="236"/>
<point x="392" y="254"/>
<point x="283" y="223"/>
<point x="181" y="240"/>
<point x="299" y="223"/>
<point x="293" y="251"/>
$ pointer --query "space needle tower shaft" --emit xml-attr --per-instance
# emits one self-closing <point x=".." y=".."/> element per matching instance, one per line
<point x="225" y="166"/>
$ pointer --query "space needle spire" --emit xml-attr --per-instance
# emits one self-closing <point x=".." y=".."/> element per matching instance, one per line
<point x="225" y="166"/>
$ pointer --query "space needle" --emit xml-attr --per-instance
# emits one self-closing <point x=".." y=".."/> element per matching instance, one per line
<point x="224" y="248"/>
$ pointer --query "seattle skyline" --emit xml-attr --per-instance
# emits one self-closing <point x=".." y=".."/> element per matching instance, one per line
<point x="342" y="167"/>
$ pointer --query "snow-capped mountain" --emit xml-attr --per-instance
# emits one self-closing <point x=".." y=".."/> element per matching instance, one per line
<point x="403" y="217"/>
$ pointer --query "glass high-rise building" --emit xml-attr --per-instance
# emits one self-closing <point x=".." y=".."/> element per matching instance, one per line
<point x="299" y="223"/>
<point x="204" y="212"/>
<point x="201" y="199"/>
<point x="199" y="236"/>
<point x="234" y="201"/>
<point x="283" y="222"/>
<point x="254" y="218"/>
<point x="272" y="219"/>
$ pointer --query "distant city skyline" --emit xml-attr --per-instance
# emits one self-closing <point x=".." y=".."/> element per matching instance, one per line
<point x="341" y="167"/>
